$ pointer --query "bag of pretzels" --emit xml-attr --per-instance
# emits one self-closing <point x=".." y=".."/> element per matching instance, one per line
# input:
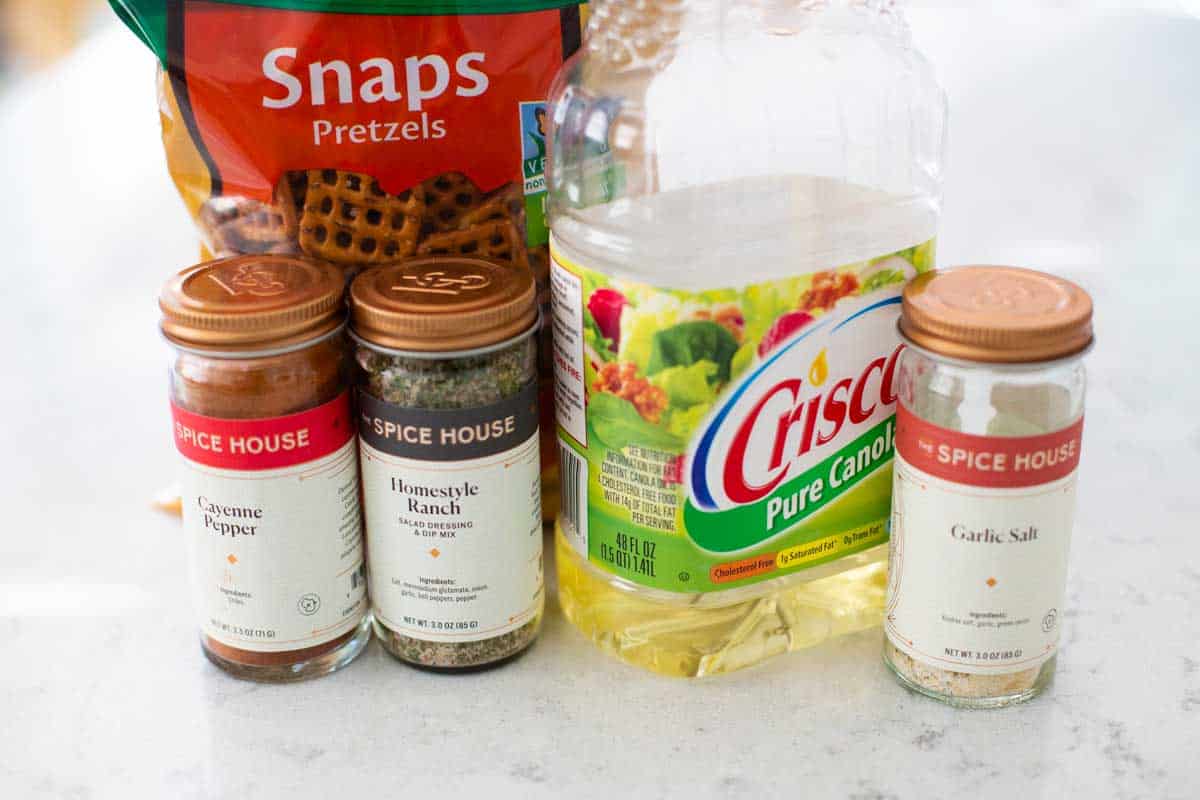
<point x="363" y="132"/>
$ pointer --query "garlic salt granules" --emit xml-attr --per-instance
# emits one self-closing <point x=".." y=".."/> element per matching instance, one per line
<point x="988" y="434"/>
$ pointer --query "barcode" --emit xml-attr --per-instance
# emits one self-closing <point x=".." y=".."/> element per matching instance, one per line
<point x="573" y="472"/>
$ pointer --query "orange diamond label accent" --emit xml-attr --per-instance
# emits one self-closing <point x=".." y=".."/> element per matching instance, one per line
<point x="435" y="552"/>
<point x="232" y="559"/>
<point x="991" y="581"/>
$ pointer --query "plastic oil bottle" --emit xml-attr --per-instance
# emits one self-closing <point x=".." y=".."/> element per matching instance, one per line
<point x="739" y="189"/>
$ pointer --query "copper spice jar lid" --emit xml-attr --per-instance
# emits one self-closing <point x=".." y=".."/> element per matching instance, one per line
<point x="996" y="314"/>
<point x="442" y="304"/>
<point x="252" y="302"/>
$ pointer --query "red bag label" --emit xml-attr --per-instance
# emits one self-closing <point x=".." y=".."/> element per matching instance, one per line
<point x="262" y="444"/>
<point x="996" y="462"/>
<point x="399" y="97"/>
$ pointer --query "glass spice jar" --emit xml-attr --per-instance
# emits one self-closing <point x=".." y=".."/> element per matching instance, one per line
<point x="988" y="436"/>
<point x="448" y="435"/>
<point x="261" y="410"/>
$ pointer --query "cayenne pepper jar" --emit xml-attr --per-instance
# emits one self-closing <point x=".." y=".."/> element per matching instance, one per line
<point x="261" y="408"/>
<point x="989" y="427"/>
<point x="448" y="436"/>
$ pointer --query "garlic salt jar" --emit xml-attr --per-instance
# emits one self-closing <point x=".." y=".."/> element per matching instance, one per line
<point x="260" y="401"/>
<point x="988" y="436"/>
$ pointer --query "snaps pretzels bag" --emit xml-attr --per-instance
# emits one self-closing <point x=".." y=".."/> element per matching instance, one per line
<point x="362" y="133"/>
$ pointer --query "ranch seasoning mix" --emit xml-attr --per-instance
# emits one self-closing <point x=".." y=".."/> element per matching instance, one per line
<point x="988" y="434"/>
<point x="448" y="426"/>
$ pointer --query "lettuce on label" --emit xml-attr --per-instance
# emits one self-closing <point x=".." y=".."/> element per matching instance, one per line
<point x="921" y="256"/>
<point x="879" y="280"/>
<point x="617" y="424"/>
<point x="690" y="342"/>
<point x="682" y="422"/>
<point x="743" y="359"/>
<point x="688" y="386"/>
<point x="641" y="322"/>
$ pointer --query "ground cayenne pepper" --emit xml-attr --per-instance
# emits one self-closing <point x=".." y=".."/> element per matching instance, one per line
<point x="261" y="407"/>
<point x="448" y="427"/>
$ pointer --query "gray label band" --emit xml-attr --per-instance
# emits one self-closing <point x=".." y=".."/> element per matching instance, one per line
<point x="448" y="434"/>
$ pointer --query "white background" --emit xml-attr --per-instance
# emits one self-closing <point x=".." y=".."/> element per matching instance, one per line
<point x="1075" y="147"/>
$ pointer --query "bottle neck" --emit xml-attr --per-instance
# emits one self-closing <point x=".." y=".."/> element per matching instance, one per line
<point x="637" y="33"/>
<point x="877" y="17"/>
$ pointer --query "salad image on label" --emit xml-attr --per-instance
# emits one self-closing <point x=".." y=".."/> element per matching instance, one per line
<point x="732" y="436"/>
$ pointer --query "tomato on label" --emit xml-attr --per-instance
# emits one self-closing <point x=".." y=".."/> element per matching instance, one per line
<point x="783" y="328"/>
<point x="606" y="306"/>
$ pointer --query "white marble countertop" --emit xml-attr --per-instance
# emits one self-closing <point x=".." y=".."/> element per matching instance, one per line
<point x="1076" y="148"/>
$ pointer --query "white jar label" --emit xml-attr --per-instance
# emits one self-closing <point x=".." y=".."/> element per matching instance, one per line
<point x="271" y="513"/>
<point x="981" y="528"/>
<point x="454" y="518"/>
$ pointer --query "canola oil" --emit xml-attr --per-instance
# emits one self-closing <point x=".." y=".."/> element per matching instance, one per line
<point x="694" y="640"/>
<point x="685" y="603"/>
<point x="738" y="193"/>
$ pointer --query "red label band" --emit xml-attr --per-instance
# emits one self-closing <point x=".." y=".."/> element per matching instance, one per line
<point x="995" y="462"/>
<point x="260" y="444"/>
<point x="403" y="98"/>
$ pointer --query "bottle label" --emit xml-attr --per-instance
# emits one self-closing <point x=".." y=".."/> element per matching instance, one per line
<point x="714" y="439"/>
<point x="981" y="527"/>
<point x="454" y="515"/>
<point x="270" y="509"/>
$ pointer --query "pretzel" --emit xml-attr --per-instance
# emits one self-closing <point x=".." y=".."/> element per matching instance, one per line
<point x="506" y="204"/>
<point x="447" y="198"/>
<point x="240" y="225"/>
<point x="349" y="219"/>
<point x="498" y="241"/>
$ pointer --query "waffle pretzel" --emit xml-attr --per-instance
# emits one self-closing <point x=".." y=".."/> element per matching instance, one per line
<point x="349" y="219"/>
<point x="499" y="241"/>
<point x="447" y="198"/>
<point x="504" y="204"/>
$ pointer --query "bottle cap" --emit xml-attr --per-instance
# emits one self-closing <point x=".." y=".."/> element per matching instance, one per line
<point x="996" y="314"/>
<point x="252" y="302"/>
<point x="442" y="304"/>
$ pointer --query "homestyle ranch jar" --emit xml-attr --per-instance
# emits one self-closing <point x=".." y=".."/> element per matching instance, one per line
<point x="988" y="436"/>
<point x="448" y="432"/>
